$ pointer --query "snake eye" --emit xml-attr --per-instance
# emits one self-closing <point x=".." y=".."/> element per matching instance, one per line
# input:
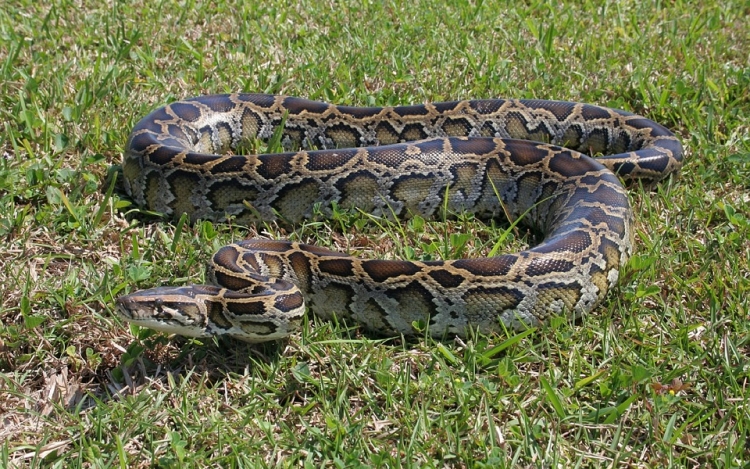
<point x="158" y="303"/>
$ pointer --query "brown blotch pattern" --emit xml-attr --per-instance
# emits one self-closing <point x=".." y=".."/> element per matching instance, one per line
<point x="216" y="314"/>
<point x="381" y="270"/>
<point x="339" y="267"/>
<point x="446" y="278"/>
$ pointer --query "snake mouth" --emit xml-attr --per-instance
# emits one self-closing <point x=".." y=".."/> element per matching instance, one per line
<point x="124" y="308"/>
<point x="143" y="306"/>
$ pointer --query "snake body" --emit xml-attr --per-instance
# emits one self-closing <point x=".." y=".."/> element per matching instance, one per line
<point x="495" y="158"/>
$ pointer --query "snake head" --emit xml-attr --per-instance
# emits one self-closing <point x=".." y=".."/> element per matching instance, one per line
<point x="175" y="310"/>
<point x="204" y="311"/>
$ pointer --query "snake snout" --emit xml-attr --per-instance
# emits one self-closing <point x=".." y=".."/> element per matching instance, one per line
<point x="123" y="307"/>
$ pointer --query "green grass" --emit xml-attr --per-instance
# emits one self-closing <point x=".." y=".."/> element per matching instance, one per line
<point x="656" y="377"/>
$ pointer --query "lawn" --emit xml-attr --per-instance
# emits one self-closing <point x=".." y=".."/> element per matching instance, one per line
<point x="656" y="376"/>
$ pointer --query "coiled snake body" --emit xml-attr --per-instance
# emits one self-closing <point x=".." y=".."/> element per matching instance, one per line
<point x="395" y="161"/>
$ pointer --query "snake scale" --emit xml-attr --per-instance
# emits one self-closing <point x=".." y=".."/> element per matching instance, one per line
<point x="494" y="158"/>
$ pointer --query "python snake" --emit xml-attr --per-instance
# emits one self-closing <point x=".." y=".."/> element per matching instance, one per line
<point x="494" y="158"/>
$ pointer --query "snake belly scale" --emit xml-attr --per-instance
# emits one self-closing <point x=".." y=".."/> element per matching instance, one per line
<point x="495" y="158"/>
